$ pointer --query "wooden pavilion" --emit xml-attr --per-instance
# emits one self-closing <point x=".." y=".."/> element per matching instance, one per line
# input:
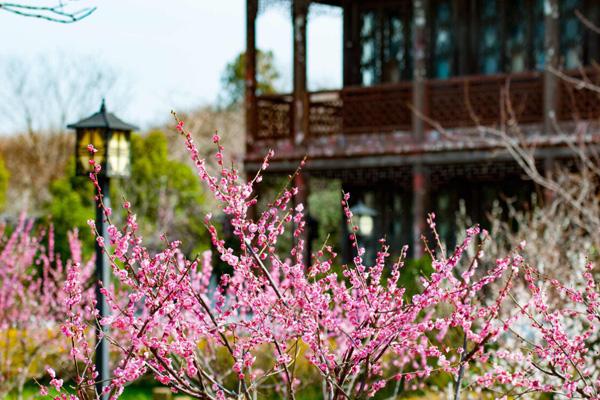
<point x="419" y="77"/>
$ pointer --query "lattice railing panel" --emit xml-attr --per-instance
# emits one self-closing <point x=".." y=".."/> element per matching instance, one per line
<point x="377" y="109"/>
<point x="325" y="113"/>
<point x="576" y="101"/>
<point x="468" y="101"/>
<point x="274" y="117"/>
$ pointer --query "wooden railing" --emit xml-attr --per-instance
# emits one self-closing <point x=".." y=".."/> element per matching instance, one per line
<point x="456" y="102"/>
<point x="325" y="113"/>
<point x="349" y="111"/>
<point x="377" y="109"/>
<point x="274" y="114"/>
<point x="575" y="101"/>
<point x="469" y="101"/>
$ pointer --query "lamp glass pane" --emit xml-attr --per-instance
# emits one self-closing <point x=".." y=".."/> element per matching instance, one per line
<point x="118" y="154"/>
<point x="365" y="225"/>
<point x="86" y="137"/>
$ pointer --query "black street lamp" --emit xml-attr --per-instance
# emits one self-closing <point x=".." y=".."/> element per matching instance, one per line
<point x="112" y="138"/>
<point x="365" y="219"/>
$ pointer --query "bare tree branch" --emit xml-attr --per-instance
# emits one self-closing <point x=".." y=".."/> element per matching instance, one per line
<point x="38" y="97"/>
<point x="58" y="12"/>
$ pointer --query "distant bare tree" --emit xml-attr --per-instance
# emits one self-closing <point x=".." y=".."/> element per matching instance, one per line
<point x="38" y="98"/>
<point x="561" y="229"/>
<point x="60" y="11"/>
<point x="43" y="93"/>
<point x="204" y="122"/>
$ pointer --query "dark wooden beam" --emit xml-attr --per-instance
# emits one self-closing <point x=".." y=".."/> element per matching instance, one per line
<point x="337" y="3"/>
<point x="420" y="208"/>
<point x="250" y="73"/>
<point x="429" y="158"/>
<point x="419" y="67"/>
<point x="593" y="44"/>
<point x="461" y="18"/>
<point x="349" y="44"/>
<point x="419" y="103"/>
<point x="355" y="77"/>
<point x="302" y="184"/>
<point x="551" y="48"/>
<point x="300" y="108"/>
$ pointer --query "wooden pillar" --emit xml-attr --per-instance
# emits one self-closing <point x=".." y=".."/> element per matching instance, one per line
<point x="551" y="81"/>
<point x="591" y="38"/>
<point x="301" y="182"/>
<point x="349" y="44"/>
<point x="420" y="204"/>
<point x="250" y="73"/>
<point x="461" y="17"/>
<point x="549" y="166"/>
<point x="551" y="48"/>
<point x="420" y="177"/>
<point x="300" y="110"/>
<point x="351" y="68"/>
<point x="419" y="68"/>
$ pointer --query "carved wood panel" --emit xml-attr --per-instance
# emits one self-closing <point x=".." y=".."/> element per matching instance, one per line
<point x="274" y="117"/>
<point x="469" y="101"/>
<point x="578" y="101"/>
<point x="325" y="113"/>
<point x="377" y="109"/>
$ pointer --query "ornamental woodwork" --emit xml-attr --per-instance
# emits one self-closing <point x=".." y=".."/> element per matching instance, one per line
<point x="577" y="102"/>
<point x="274" y="117"/>
<point x="466" y="102"/>
<point x="323" y="118"/>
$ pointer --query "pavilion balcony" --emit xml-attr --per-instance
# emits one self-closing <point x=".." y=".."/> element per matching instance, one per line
<point x="458" y="102"/>
<point x="351" y="110"/>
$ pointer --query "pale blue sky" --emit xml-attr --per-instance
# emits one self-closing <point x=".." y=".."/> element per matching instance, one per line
<point x="172" y="53"/>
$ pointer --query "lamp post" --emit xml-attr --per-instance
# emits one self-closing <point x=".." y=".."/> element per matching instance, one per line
<point x="112" y="139"/>
<point x="366" y="219"/>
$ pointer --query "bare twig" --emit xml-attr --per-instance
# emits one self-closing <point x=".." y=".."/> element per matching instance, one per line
<point x="57" y="12"/>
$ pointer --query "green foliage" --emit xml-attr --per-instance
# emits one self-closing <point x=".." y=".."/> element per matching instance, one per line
<point x="414" y="268"/>
<point x="71" y="206"/>
<point x="164" y="193"/>
<point x="4" y="176"/>
<point x="234" y="77"/>
<point x="324" y="205"/>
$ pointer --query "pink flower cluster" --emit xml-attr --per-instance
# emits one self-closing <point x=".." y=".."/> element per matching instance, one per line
<point x="358" y="329"/>
<point x="35" y="300"/>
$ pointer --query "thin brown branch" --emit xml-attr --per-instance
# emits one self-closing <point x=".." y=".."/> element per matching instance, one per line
<point x="54" y="13"/>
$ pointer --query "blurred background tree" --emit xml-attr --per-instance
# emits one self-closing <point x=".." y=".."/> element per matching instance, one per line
<point x="165" y="193"/>
<point x="70" y="206"/>
<point x="4" y="177"/>
<point x="166" y="196"/>
<point x="37" y="100"/>
<point x="234" y="77"/>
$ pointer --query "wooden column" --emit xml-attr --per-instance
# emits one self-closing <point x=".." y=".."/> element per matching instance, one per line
<point x="551" y="48"/>
<point x="300" y="110"/>
<point x="549" y="165"/>
<point x="352" y="44"/>
<point x="420" y="177"/>
<point x="348" y="49"/>
<point x="419" y="68"/>
<point x="301" y="182"/>
<point x="591" y="38"/>
<point x="250" y="73"/>
<point x="461" y="17"/>
<point x="420" y="205"/>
